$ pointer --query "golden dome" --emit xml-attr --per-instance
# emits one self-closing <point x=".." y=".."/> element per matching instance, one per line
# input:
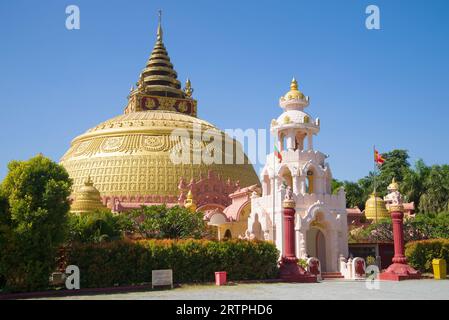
<point x="129" y="155"/>
<point x="87" y="199"/>
<point x="374" y="203"/>
<point x="294" y="92"/>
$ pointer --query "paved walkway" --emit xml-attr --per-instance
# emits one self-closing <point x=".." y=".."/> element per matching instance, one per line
<point x="412" y="289"/>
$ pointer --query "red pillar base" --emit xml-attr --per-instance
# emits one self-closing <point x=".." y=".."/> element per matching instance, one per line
<point x="290" y="271"/>
<point x="399" y="272"/>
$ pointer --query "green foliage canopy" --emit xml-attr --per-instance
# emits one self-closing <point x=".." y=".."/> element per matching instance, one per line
<point x="33" y="215"/>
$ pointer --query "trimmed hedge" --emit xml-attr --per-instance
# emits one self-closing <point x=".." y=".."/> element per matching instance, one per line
<point x="421" y="253"/>
<point x="127" y="263"/>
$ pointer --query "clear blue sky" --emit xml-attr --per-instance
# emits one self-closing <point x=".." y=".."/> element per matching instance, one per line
<point x="387" y="87"/>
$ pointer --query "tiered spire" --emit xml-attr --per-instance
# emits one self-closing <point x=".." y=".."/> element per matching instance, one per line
<point x="158" y="87"/>
<point x="159" y="78"/>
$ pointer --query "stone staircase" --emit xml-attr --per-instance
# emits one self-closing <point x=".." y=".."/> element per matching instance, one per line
<point x="331" y="275"/>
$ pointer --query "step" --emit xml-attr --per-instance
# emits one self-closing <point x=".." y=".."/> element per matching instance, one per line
<point x="332" y="275"/>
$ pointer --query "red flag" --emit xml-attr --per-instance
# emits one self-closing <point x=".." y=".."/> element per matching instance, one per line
<point x="277" y="153"/>
<point x="378" y="159"/>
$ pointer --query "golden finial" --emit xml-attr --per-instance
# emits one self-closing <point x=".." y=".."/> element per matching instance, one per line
<point x="394" y="186"/>
<point x="189" y="203"/>
<point x="160" y="33"/>
<point x="294" y="84"/>
<point x="188" y="89"/>
<point x="294" y="92"/>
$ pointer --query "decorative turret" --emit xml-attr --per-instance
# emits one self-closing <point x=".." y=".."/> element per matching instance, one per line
<point x="294" y="124"/>
<point x="158" y="87"/>
<point x="189" y="203"/>
<point x="393" y="200"/>
<point x="87" y="199"/>
<point x="393" y="186"/>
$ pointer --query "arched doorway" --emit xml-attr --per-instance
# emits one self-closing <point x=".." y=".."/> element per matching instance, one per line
<point x="316" y="245"/>
<point x="227" y="235"/>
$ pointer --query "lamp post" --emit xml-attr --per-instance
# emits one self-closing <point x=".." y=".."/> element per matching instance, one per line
<point x="399" y="269"/>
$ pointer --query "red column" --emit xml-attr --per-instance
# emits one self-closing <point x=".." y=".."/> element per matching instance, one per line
<point x="289" y="270"/>
<point x="289" y="234"/>
<point x="398" y="236"/>
<point x="399" y="269"/>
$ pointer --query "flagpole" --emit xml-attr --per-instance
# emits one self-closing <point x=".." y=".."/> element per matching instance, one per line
<point x="375" y="205"/>
<point x="375" y="187"/>
<point x="274" y="185"/>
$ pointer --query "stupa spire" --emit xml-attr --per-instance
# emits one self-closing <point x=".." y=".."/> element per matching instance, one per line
<point x="159" y="76"/>
<point x="158" y="87"/>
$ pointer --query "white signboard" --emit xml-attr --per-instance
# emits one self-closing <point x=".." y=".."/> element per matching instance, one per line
<point x="162" y="278"/>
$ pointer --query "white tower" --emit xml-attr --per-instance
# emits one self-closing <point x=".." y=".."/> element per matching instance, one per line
<point x="320" y="222"/>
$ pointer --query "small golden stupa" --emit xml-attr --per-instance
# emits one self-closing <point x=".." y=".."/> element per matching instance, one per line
<point x="87" y="199"/>
<point x="189" y="203"/>
<point x="373" y="204"/>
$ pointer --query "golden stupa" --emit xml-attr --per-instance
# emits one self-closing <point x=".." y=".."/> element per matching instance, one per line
<point x="130" y="155"/>
<point x="87" y="199"/>
<point x="375" y="208"/>
<point x="190" y="203"/>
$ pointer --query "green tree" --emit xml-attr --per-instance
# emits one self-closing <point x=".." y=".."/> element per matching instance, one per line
<point x="355" y="196"/>
<point x="413" y="184"/>
<point x="435" y="198"/>
<point x="335" y="185"/>
<point x="33" y="221"/>
<point x="396" y="165"/>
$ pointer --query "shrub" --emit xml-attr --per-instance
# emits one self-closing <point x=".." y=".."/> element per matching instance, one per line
<point x="126" y="262"/>
<point x="302" y="263"/>
<point x="162" y="222"/>
<point x="95" y="227"/>
<point x="421" y="253"/>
